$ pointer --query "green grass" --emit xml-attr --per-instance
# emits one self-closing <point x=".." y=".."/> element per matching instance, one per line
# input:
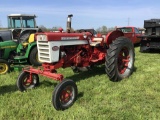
<point x="134" y="98"/>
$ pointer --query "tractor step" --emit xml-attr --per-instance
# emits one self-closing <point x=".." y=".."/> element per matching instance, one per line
<point x="20" y="59"/>
<point x="17" y="67"/>
<point x="95" y="44"/>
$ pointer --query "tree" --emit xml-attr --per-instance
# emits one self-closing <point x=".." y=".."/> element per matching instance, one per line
<point x="102" y="30"/>
<point x="55" y="28"/>
<point x="43" y="28"/>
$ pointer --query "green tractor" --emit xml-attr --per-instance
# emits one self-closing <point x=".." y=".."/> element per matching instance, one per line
<point x="17" y="43"/>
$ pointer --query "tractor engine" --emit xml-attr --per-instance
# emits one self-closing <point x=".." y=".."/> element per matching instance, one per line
<point x="75" y="55"/>
<point x="69" y="49"/>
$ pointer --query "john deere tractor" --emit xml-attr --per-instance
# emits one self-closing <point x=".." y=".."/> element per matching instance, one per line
<point x="17" y="43"/>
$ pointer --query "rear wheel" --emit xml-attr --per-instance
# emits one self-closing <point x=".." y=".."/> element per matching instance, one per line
<point x="64" y="94"/>
<point x="120" y="59"/>
<point x="144" y="46"/>
<point x="26" y="81"/>
<point x="4" y="66"/>
<point x="33" y="57"/>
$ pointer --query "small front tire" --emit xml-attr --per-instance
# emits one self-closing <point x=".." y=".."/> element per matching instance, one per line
<point x="64" y="94"/>
<point x="25" y="81"/>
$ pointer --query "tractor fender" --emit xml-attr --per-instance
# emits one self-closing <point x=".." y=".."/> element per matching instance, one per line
<point x="112" y="36"/>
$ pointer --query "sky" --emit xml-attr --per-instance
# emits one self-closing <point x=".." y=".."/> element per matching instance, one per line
<point x="86" y="13"/>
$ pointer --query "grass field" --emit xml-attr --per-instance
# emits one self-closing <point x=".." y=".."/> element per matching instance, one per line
<point x="134" y="98"/>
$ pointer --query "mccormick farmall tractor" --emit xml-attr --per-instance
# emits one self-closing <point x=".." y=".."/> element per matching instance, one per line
<point x="78" y="50"/>
<point x="17" y="45"/>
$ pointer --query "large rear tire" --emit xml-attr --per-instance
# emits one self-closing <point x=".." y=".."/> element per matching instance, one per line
<point x="64" y="94"/>
<point x="33" y="57"/>
<point x="4" y="66"/>
<point x="120" y="59"/>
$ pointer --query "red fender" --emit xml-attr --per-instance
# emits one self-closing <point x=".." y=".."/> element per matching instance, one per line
<point x="112" y="36"/>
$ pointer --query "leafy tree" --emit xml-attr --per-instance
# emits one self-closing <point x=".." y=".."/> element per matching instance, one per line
<point x="43" y="28"/>
<point x="102" y="30"/>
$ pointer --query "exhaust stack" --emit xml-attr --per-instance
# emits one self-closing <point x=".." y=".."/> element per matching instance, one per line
<point x="69" y="18"/>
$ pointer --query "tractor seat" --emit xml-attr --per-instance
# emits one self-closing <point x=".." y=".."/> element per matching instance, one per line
<point x="30" y="40"/>
<point x="96" y="41"/>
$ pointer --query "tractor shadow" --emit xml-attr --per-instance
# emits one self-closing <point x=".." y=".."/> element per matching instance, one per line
<point x="47" y="83"/>
<point x="152" y="51"/>
<point x="96" y="70"/>
<point x="7" y="89"/>
<point x="136" y="45"/>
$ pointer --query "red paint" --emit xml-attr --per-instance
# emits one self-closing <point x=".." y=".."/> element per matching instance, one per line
<point x="79" y="55"/>
<point x="112" y="36"/>
<point x="123" y="60"/>
<point x="132" y="33"/>
<point x="66" y="94"/>
<point x="56" y="36"/>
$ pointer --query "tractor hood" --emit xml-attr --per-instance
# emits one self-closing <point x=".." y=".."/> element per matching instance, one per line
<point x="51" y="36"/>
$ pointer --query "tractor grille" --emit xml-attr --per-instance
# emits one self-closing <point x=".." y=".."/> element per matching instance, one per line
<point x="44" y="51"/>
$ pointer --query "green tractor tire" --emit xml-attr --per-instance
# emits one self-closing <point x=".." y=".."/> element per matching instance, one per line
<point x="4" y="66"/>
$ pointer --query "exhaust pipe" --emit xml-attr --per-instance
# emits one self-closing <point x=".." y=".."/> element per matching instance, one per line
<point x="69" y="18"/>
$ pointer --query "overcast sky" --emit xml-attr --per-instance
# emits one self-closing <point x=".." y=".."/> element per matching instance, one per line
<point x="86" y="13"/>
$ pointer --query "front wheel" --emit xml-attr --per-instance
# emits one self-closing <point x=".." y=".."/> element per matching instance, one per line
<point x="27" y="81"/>
<point x="120" y="59"/>
<point x="4" y="66"/>
<point x="64" y="94"/>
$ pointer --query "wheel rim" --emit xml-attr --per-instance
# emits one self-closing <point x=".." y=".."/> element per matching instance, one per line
<point x="29" y="82"/>
<point x="123" y="60"/>
<point x="67" y="95"/>
<point x="3" y="68"/>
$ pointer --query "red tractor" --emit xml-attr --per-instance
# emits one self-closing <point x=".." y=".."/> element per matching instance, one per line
<point x="79" y="50"/>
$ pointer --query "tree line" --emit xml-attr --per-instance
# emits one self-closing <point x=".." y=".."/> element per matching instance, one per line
<point x="103" y="29"/>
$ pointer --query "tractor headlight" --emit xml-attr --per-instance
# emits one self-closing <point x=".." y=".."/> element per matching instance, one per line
<point x="41" y="37"/>
<point x="84" y="36"/>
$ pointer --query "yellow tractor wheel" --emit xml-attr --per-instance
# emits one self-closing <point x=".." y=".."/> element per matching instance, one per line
<point x="4" y="67"/>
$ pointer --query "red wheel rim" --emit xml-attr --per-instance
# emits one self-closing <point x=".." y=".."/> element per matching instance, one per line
<point x="66" y="95"/>
<point x="123" y="60"/>
<point x="27" y="81"/>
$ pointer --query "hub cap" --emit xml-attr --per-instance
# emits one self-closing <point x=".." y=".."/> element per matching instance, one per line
<point x="123" y="60"/>
<point x="67" y="95"/>
<point x="3" y="68"/>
